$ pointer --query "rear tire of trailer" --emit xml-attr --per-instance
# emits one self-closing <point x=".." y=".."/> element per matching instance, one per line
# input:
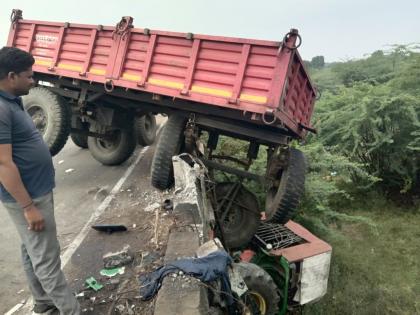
<point x="242" y="219"/>
<point x="146" y="129"/>
<point x="282" y="201"/>
<point x="113" y="151"/>
<point x="169" y="144"/>
<point x="51" y="116"/>
<point x="78" y="139"/>
<point x="263" y="295"/>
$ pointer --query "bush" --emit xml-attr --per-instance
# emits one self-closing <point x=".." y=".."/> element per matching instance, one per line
<point x="377" y="128"/>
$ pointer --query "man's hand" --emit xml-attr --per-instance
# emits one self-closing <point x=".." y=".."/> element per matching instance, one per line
<point x="34" y="218"/>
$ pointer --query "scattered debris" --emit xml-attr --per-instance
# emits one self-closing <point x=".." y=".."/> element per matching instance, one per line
<point x="152" y="207"/>
<point x="134" y="226"/>
<point x="109" y="228"/>
<point x="20" y="291"/>
<point x="69" y="170"/>
<point x="118" y="259"/>
<point x="61" y="162"/>
<point x="112" y="272"/>
<point x="168" y="205"/>
<point x="93" y="284"/>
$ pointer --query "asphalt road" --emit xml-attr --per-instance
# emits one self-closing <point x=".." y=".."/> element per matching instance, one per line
<point x="82" y="184"/>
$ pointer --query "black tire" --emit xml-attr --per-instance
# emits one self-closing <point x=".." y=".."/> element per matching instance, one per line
<point x="113" y="151"/>
<point x="80" y="140"/>
<point x="169" y="144"/>
<point x="146" y="129"/>
<point x="262" y="293"/>
<point x="242" y="219"/>
<point x="282" y="202"/>
<point x="51" y="116"/>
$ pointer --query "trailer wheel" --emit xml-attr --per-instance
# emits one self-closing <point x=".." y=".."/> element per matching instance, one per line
<point x="146" y="129"/>
<point x="282" y="201"/>
<point x="80" y="140"/>
<point x="51" y="116"/>
<point x="263" y="295"/>
<point x="238" y="214"/>
<point x="114" y="150"/>
<point x="169" y="144"/>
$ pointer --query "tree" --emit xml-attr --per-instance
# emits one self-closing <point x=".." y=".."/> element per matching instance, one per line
<point x="318" y="62"/>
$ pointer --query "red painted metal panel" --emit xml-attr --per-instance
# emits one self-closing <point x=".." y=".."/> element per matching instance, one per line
<point x="147" y="61"/>
<point x="314" y="245"/>
<point x="191" y="67"/>
<point x="244" y="74"/>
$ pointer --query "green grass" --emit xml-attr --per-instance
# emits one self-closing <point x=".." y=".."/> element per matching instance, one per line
<point x="374" y="270"/>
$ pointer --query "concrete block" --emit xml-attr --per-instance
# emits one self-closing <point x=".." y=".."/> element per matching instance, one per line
<point x="181" y="295"/>
<point x="181" y="244"/>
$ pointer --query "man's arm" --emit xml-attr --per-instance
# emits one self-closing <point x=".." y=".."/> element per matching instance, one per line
<point x="12" y="182"/>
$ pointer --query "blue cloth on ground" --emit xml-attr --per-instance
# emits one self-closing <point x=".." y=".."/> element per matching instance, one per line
<point x="207" y="269"/>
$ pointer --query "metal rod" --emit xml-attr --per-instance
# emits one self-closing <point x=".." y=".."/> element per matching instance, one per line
<point x="231" y="170"/>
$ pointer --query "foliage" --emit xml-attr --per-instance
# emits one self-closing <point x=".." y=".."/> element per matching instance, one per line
<point x="377" y="127"/>
<point x="330" y="183"/>
<point x="369" y="112"/>
<point x="317" y="62"/>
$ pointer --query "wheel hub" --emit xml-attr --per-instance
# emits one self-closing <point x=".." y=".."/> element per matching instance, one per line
<point x="39" y="118"/>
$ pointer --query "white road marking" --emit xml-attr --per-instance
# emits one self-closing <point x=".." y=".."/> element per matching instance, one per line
<point x="71" y="249"/>
<point x="15" y="308"/>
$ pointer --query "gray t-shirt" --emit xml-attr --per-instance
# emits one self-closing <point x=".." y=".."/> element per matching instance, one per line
<point x="30" y="153"/>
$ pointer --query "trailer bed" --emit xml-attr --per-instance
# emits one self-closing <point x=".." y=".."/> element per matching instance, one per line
<point x="265" y="78"/>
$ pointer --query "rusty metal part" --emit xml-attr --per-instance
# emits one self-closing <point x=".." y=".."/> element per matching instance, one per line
<point x="240" y="173"/>
<point x="191" y="136"/>
<point x="264" y="119"/>
<point x="15" y="16"/>
<point x="293" y="32"/>
<point x="310" y="129"/>
<point x="231" y="158"/>
<point x="277" y="161"/>
<point x="122" y="28"/>
<point x="109" y="86"/>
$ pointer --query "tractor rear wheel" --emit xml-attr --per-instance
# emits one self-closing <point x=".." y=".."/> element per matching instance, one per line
<point x="238" y="213"/>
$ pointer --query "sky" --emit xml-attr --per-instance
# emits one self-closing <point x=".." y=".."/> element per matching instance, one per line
<point x="337" y="30"/>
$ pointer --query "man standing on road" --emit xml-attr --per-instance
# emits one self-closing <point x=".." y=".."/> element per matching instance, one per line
<point x="26" y="184"/>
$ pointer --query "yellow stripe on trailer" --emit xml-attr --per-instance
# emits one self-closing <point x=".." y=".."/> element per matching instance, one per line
<point x="211" y="91"/>
<point x="253" y="98"/>
<point x="97" y="71"/>
<point x="41" y="62"/>
<point x="170" y="84"/>
<point x="131" y="77"/>
<point x="66" y="66"/>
